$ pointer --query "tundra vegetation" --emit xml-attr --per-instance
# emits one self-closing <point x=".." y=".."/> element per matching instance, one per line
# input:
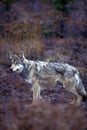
<point x="47" y="30"/>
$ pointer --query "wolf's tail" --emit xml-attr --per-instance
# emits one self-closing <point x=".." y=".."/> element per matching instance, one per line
<point x="79" y="86"/>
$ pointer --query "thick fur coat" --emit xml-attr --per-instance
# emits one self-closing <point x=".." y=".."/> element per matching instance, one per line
<point x="38" y="73"/>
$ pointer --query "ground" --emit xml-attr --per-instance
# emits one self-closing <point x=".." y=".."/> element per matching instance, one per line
<point x="20" y="32"/>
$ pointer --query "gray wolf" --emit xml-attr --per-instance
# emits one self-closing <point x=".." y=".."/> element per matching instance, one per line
<point x="39" y="73"/>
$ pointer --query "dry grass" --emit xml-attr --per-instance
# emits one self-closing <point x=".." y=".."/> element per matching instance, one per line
<point x="21" y="36"/>
<point x="43" y="117"/>
<point x="15" y="94"/>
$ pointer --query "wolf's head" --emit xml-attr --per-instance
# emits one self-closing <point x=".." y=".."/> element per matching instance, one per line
<point x="17" y="62"/>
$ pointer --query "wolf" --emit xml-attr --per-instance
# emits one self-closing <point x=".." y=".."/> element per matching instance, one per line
<point x="38" y="73"/>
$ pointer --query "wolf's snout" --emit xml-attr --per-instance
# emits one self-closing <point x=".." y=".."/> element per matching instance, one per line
<point x="12" y="67"/>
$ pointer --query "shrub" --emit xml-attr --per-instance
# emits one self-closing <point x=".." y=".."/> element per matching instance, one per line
<point x="61" y="4"/>
<point x="7" y="4"/>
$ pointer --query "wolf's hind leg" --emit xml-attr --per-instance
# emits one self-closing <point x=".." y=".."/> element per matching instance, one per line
<point x="69" y="86"/>
<point x="36" y="91"/>
<point x="78" y="97"/>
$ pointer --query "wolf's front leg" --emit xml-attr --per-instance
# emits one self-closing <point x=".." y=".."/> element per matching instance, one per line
<point x="36" y="91"/>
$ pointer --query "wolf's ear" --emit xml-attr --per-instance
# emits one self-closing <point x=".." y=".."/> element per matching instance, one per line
<point x="22" y="55"/>
<point x="11" y="55"/>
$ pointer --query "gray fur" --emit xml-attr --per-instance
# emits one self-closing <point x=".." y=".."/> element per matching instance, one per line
<point x="38" y="73"/>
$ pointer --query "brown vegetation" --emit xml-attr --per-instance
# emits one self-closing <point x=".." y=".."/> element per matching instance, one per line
<point x="43" y="117"/>
<point x="38" y="35"/>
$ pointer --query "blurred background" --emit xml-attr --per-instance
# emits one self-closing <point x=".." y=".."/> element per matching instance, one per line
<point x="47" y="30"/>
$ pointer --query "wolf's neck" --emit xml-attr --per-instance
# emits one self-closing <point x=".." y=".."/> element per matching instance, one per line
<point x="25" y="61"/>
<point x="27" y="68"/>
<point x="24" y="73"/>
<point x="28" y="63"/>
